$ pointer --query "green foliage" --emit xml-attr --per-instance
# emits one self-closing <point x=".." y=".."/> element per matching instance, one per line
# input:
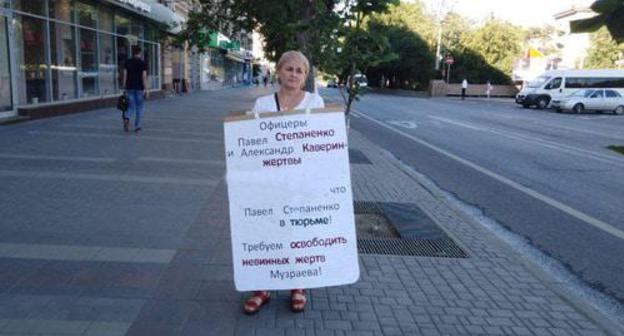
<point x="352" y="48"/>
<point x="410" y="33"/>
<point x="386" y="39"/>
<point x="330" y="32"/>
<point x="455" y="28"/>
<point x="604" y="51"/>
<point x="286" y="24"/>
<point x="471" y="65"/>
<point x="498" y="43"/>
<point x="610" y="15"/>
<point x="412" y="16"/>
<point x="486" y="53"/>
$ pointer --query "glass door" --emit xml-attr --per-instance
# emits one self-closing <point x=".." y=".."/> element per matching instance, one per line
<point x="6" y="102"/>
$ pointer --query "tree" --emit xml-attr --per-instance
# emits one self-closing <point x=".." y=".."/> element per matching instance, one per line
<point x="454" y="32"/>
<point x="304" y="25"/>
<point x="353" y="48"/>
<point x="610" y="14"/>
<point x="604" y="51"/>
<point x="411" y="33"/>
<point x="497" y="43"/>
<point x="329" y="32"/>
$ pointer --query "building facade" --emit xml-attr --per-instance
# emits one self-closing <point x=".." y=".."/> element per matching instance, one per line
<point x="57" y="54"/>
<point x="563" y="49"/>
<point x="61" y="51"/>
<point x="573" y="46"/>
<point x="226" y="63"/>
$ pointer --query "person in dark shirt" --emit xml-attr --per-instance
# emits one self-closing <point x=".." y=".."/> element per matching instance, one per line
<point x="135" y="79"/>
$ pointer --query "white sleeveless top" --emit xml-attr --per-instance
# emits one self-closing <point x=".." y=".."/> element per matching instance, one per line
<point x="267" y="103"/>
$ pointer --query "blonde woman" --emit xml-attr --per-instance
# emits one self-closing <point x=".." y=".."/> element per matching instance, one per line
<point x="292" y="70"/>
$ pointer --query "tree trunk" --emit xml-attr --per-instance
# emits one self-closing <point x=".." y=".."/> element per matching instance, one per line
<point x="303" y="36"/>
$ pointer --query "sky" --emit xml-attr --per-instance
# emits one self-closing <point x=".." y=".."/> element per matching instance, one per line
<point x="524" y="12"/>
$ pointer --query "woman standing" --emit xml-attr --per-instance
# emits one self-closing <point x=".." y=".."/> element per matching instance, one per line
<point x="292" y="70"/>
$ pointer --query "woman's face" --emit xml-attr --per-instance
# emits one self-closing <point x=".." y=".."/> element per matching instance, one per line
<point x="292" y="75"/>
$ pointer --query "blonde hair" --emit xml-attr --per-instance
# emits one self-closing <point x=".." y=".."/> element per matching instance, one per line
<point x="294" y="55"/>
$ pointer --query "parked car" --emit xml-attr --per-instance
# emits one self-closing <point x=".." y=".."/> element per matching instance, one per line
<point x="557" y="84"/>
<point x="591" y="100"/>
<point x="332" y="83"/>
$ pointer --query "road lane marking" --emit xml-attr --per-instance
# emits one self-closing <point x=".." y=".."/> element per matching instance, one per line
<point x="86" y="253"/>
<point x="550" y="201"/>
<point x="594" y="118"/>
<point x="545" y="143"/>
<point x="123" y="136"/>
<point x="109" y="178"/>
<point x="56" y="158"/>
<point x="578" y="130"/>
<point x="403" y="123"/>
<point x="457" y="123"/>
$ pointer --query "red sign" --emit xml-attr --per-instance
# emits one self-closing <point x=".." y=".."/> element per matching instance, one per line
<point x="449" y="59"/>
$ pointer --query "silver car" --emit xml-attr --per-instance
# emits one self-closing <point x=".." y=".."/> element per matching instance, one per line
<point x="591" y="100"/>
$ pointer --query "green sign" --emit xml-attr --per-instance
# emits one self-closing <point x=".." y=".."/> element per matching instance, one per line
<point x="213" y="40"/>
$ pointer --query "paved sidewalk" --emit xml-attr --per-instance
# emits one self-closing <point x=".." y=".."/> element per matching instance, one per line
<point x="112" y="234"/>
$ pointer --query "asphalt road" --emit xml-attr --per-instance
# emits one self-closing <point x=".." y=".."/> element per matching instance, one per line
<point x="545" y="176"/>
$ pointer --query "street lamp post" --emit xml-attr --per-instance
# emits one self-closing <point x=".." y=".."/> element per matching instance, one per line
<point x="444" y="6"/>
<point x="448" y="60"/>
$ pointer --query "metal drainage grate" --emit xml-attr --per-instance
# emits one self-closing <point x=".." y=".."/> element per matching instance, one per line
<point x="438" y="248"/>
<point x="420" y="235"/>
<point x="356" y="156"/>
<point x="365" y="207"/>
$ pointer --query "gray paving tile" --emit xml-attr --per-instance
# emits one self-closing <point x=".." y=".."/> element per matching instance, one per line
<point x="107" y="329"/>
<point x="183" y="227"/>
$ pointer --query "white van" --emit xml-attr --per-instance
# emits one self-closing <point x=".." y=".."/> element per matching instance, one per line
<point x="561" y="83"/>
<point x="361" y="80"/>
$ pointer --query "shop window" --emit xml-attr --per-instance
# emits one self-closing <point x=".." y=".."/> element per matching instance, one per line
<point x="108" y="67"/>
<point x="217" y="66"/>
<point x="5" y="69"/>
<point x="88" y="62"/>
<point x="106" y="19"/>
<point x="122" y="25"/>
<point x="137" y="29"/>
<point x="150" y="56"/>
<point x="62" y="10"/>
<point x="30" y="6"/>
<point x="63" y="57"/>
<point x="151" y="33"/>
<point x="87" y="14"/>
<point x="123" y="53"/>
<point x="30" y="52"/>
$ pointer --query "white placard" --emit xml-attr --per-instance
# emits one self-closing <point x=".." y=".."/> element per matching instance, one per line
<point x="291" y="205"/>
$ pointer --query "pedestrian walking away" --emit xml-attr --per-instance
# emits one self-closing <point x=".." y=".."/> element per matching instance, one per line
<point x="488" y="89"/>
<point x="292" y="70"/>
<point x="464" y="88"/>
<point x="135" y="84"/>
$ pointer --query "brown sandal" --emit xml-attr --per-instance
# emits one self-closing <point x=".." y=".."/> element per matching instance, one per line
<point x="297" y="300"/>
<point x="255" y="302"/>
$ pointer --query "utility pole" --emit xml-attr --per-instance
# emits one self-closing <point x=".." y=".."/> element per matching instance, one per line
<point x="444" y="7"/>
